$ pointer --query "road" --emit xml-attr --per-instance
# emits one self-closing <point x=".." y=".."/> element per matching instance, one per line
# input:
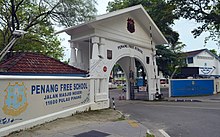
<point x="177" y="119"/>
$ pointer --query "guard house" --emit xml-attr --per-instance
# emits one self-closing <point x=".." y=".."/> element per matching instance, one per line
<point x="201" y="63"/>
<point x="122" y="37"/>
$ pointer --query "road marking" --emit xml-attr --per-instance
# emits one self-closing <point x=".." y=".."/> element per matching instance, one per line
<point x="133" y="123"/>
<point x="184" y="107"/>
<point x="164" y="133"/>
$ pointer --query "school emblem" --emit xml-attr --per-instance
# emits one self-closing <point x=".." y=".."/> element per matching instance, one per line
<point x="205" y="70"/>
<point x="15" y="100"/>
<point x="130" y="25"/>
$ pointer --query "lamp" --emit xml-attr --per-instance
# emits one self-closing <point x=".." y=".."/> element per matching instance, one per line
<point x="16" y="34"/>
<point x="176" y="67"/>
<point x="19" y="33"/>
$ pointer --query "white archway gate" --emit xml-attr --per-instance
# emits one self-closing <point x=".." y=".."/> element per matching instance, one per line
<point x="129" y="66"/>
<point x="119" y="36"/>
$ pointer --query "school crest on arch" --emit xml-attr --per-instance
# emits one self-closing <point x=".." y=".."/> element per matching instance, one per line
<point x="15" y="100"/>
<point x="130" y="25"/>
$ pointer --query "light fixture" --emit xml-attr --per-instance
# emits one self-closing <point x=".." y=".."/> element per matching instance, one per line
<point x="19" y="33"/>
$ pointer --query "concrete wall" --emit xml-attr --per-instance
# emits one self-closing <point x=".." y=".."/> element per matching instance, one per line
<point x="26" y="101"/>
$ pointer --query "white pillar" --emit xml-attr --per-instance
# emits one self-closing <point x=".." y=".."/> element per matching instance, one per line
<point x="92" y="90"/>
<point x="73" y="60"/>
<point x="79" y="56"/>
<point x="101" y="48"/>
<point x="127" y="64"/>
<point x="103" y="85"/>
<point x="95" y="50"/>
<point x="97" y="86"/>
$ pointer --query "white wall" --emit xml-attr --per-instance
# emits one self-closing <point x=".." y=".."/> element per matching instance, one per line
<point x="117" y="30"/>
<point x="36" y="100"/>
<point x="119" y="51"/>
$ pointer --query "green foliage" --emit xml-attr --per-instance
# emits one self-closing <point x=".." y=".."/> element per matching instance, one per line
<point x="38" y="18"/>
<point x="67" y="61"/>
<point x="41" y="41"/>
<point x="213" y="51"/>
<point x="206" y="12"/>
<point x="164" y="59"/>
<point x="116" y="68"/>
<point x="168" y="59"/>
<point x="72" y="12"/>
<point x="149" y="135"/>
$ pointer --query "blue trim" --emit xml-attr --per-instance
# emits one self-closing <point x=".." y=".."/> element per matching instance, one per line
<point x="44" y="74"/>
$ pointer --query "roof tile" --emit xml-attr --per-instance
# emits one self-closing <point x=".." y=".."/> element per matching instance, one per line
<point x="194" y="53"/>
<point x="37" y="63"/>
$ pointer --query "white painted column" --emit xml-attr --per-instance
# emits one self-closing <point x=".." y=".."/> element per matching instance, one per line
<point x="73" y="59"/>
<point x="103" y="85"/>
<point x="95" y="50"/>
<point x="79" y="56"/>
<point x="97" y="89"/>
<point x="154" y="80"/>
<point x="92" y="90"/>
<point x="98" y="86"/>
<point x="101" y="48"/>
<point x="135" y="70"/>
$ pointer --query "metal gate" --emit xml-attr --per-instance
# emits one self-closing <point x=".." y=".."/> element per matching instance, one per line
<point x="191" y="87"/>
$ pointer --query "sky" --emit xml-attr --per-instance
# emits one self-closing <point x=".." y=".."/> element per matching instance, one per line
<point x="182" y="26"/>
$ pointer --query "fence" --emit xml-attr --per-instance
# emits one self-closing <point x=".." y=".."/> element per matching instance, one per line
<point x="192" y="87"/>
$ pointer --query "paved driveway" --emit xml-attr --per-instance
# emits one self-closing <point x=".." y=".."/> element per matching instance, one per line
<point x="178" y="119"/>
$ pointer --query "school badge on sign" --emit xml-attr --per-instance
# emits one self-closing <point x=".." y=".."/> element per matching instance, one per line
<point x="15" y="100"/>
<point x="130" y="25"/>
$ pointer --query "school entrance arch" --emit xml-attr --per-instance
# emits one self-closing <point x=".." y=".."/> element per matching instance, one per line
<point x="121" y="36"/>
<point x="134" y="79"/>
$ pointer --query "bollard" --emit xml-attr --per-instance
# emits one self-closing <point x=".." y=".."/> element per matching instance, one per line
<point x="123" y="97"/>
<point x="156" y="96"/>
<point x="119" y="96"/>
<point x="113" y="103"/>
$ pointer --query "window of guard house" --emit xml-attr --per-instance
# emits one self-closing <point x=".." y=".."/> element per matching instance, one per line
<point x="190" y="60"/>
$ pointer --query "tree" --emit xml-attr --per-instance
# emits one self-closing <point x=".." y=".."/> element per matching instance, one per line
<point x="206" y="12"/>
<point x="213" y="51"/>
<point x="168" y="60"/>
<point x="162" y="14"/>
<point x="38" y="18"/>
<point x="115" y="69"/>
